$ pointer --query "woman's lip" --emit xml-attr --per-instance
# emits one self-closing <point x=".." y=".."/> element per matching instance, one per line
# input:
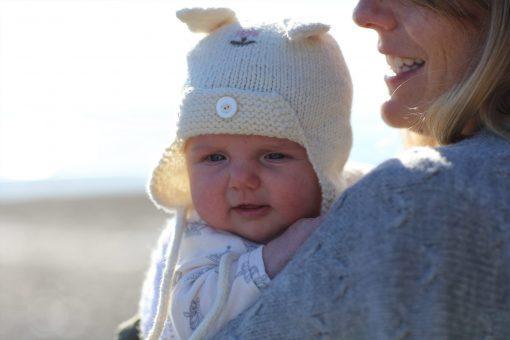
<point x="394" y="82"/>
<point x="251" y="210"/>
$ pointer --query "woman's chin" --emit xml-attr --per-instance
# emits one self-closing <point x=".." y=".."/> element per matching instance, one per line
<point x="397" y="115"/>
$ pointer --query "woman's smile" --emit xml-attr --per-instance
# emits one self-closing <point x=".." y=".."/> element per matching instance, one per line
<point x="402" y="70"/>
<point x="426" y="53"/>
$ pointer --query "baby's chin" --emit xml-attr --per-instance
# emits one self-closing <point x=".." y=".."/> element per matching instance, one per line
<point x="251" y="231"/>
<point x="262" y="237"/>
<point x="259" y="229"/>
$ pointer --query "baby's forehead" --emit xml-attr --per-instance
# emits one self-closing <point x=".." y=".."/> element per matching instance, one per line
<point x="232" y="140"/>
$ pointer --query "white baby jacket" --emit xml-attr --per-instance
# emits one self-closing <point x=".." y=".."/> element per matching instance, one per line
<point x="196" y="279"/>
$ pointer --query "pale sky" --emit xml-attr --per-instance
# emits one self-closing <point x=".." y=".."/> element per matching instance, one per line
<point x="90" y="88"/>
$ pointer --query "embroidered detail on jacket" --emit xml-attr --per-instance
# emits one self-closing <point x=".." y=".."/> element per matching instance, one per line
<point x="252" y="273"/>
<point x="250" y="245"/>
<point x="194" y="315"/>
<point x="191" y="278"/>
<point x="260" y="280"/>
<point x="194" y="229"/>
<point x="216" y="258"/>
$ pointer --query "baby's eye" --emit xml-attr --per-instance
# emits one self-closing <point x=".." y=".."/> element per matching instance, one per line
<point x="215" y="157"/>
<point x="274" y="156"/>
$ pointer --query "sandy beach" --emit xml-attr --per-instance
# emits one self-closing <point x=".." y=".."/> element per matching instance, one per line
<point x="72" y="268"/>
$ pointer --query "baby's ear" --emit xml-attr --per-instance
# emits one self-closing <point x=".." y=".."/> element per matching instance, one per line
<point x="206" y="20"/>
<point x="300" y="31"/>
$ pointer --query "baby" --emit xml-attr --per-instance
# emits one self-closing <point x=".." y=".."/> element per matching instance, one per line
<point x="262" y="139"/>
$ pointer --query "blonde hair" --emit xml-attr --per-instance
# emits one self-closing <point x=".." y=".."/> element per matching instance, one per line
<point x="484" y="95"/>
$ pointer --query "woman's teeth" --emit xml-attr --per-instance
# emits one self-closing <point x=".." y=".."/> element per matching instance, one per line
<point x="400" y="65"/>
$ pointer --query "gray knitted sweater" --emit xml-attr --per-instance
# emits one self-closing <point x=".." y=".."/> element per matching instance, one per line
<point x="418" y="249"/>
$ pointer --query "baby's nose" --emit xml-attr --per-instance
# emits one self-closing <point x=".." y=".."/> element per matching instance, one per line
<point x="243" y="176"/>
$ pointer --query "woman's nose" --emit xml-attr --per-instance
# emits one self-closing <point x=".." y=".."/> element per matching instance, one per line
<point x="375" y="14"/>
<point x="243" y="176"/>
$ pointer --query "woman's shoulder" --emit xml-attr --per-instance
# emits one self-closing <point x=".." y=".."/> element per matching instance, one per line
<point x="480" y="160"/>
<point x="475" y="171"/>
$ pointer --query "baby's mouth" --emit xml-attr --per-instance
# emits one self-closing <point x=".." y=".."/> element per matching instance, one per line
<point x="250" y="206"/>
<point x="251" y="210"/>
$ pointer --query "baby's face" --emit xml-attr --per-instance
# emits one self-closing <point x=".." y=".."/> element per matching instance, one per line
<point x="252" y="186"/>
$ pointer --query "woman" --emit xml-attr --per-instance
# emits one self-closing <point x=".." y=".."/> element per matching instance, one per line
<point x="420" y="248"/>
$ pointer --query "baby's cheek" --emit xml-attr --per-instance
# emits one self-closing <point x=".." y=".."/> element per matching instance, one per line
<point x="289" y="208"/>
<point x="305" y="202"/>
<point x="208" y="204"/>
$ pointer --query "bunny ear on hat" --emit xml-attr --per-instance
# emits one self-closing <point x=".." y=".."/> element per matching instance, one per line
<point x="206" y="20"/>
<point x="300" y="31"/>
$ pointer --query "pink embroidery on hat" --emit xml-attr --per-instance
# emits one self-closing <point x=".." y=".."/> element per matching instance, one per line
<point x="244" y="35"/>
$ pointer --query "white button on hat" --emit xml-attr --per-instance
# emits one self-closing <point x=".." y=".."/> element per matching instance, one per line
<point x="226" y="107"/>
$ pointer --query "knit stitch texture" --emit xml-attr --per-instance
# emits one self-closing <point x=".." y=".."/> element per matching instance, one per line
<point x="418" y="249"/>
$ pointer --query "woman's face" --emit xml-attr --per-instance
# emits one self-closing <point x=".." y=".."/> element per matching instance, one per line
<point x="428" y="54"/>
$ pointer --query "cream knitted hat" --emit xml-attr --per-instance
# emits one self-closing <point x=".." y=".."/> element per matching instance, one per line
<point x="286" y="80"/>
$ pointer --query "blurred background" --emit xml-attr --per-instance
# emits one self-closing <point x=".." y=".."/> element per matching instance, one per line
<point x="88" y="99"/>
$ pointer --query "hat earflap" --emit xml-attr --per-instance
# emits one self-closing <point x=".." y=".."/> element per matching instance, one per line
<point x="206" y="20"/>
<point x="300" y="31"/>
<point x="169" y="185"/>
